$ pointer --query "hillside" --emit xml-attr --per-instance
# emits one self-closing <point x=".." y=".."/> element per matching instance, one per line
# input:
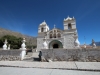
<point x="29" y="39"/>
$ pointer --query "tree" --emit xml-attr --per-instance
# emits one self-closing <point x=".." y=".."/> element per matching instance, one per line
<point x="15" y="43"/>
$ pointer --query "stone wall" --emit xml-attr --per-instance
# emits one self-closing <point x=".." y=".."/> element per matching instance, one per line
<point x="39" y="43"/>
<point x="69" y="40"/>
<point x="84" y="55"/>
<point x="10" y="55"/>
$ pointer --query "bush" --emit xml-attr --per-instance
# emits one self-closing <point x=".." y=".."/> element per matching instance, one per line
<point x="15" y="43"/>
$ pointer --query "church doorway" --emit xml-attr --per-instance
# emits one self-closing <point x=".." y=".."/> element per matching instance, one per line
<point x="55" y="44"/>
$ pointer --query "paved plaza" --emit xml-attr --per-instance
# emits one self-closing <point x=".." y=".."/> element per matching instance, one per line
<point x="37" y="71"/>
<point x="48" y="68"/>
<point x="54" y="65"/>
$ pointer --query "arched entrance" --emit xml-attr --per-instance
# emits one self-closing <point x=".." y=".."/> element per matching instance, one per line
<point x="55" y="44"/>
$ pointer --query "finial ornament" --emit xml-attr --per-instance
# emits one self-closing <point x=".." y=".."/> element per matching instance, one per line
<point x="9" y="47"/>
<point x="23" y="49"/>
<point x="23" y="44"/>
<point x="5" y="41"/>
<point x="93" y="44"/>
<point x="76" y="41"/>
<point x="84" y="45"/>
<point x="45" y="45"/>
<point x="5" y="45"/>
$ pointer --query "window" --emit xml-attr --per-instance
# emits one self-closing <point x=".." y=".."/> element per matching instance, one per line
<point x="54" y="31"/>
<point x="50" y="35"/>
<point x="59" y="35"/>
<point x="54" y="35"/>
<point x="42" y="29"/>
<point x="69" y="26"/>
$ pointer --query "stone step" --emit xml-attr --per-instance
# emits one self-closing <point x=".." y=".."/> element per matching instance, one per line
<point x="29" y="54"/>
<point x="31" y="57"/>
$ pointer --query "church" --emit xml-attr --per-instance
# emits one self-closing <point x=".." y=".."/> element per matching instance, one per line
<point x="57" y="38"/>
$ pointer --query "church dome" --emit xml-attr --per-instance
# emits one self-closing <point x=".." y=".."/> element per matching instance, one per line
<point x="43" y="27"/>
<point x="43" y="23"/>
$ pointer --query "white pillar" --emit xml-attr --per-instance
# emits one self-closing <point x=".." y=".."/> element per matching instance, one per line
<point x="23" y="49"/>
<point x="9" y="47"/>
<point x="94" y="45"/>
<point x="5" y="45"/>
<point x="84" y="45"/>
<point x="76" y="42"/>
<point x="45" y="45"/>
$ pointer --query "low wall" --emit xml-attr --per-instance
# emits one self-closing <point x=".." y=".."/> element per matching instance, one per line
<point x="10" y="55"/>
<point x="85" y="55"/>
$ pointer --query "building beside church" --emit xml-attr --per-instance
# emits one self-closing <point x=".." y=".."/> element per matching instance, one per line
<point x="57" y="38"/>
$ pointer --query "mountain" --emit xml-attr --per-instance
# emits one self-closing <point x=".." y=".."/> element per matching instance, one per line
<point x="97" y="43"/>
<point x="29" y="39"/>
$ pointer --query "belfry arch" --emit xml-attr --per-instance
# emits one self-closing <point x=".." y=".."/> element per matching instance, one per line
<point x="42" y="29"/>
<point x="69" y="26"/>
<point x="55" y="44"/>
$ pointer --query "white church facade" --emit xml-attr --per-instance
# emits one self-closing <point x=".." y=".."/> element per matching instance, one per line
<point x="57" y="38"/>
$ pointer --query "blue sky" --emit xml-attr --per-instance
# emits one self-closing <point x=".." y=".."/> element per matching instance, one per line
<point x="24" y="16"/>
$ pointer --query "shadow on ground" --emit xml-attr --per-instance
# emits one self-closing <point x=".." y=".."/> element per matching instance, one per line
<point x="32" y="59"/>
<point x="36" y="59"/>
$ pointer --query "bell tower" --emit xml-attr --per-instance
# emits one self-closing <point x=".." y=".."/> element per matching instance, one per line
<point x="43" y="27"/>
<point x="69" y="23"/>
<point x="70" y="33"/>
<point x="42" y="32"/>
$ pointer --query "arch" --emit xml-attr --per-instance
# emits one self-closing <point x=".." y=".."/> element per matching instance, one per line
<point x="50" y="35"/>
<point x="42" y="29"/>
<point x="69" y="26"/>
<point x="54" y="35"/>
<point x="59" y="35"/>
<point x="51" y="32"/>
<point x="54" y="31"/>
<point x="55" y="44"/>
